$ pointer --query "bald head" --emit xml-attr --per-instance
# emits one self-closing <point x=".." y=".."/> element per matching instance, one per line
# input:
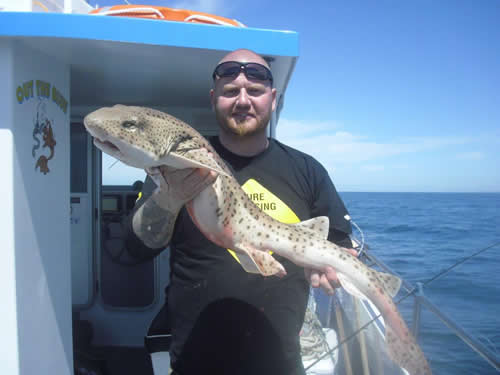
<point x="244" y="55"/>
<point x="243" y="100"/>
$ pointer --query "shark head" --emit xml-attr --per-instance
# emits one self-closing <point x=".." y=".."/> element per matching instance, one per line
<point x="137" y="136"/>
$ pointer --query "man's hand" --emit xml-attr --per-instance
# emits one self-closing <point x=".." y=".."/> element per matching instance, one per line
<point x="185" y="184"/>
<point x="178" y="186"/>
<point x="328" y="280"/>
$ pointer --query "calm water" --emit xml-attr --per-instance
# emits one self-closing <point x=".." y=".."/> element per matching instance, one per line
<point x="420" y="234"/>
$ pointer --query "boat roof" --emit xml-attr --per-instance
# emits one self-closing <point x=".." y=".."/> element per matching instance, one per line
<point x="144" y="62"/>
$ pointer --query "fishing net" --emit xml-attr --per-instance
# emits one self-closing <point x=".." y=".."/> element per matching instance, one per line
<point x="339" y="319"/>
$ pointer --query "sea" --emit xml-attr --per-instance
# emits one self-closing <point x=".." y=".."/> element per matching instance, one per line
<point x="421" y="234"/>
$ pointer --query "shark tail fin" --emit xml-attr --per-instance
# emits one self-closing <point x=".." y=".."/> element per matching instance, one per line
<point x="406" y="352"/>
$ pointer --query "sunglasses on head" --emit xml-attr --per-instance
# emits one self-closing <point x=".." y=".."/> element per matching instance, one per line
<point x="250" y="69"/>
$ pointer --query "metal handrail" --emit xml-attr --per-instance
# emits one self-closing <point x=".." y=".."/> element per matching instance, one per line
<point x="421" y="300"/>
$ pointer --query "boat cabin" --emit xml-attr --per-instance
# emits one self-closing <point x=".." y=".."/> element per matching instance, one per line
<point x="65" y="280"/>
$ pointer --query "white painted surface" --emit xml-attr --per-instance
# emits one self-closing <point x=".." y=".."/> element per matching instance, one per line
<point x="16" y="5"/>
<point x="38" y="244"/>
<point x="81" y="251"/>
<point x="68" y="6"/>
<point x="79" y="6"/>
<point x="9" y="356"/>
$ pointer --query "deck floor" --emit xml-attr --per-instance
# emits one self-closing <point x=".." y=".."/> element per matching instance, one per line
<point x="114" y="360"/>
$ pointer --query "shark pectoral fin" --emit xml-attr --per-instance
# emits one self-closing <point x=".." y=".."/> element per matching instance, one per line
<point x="350" y="287"/>
<point x="257" y="261"/>
<point x="194" y="158"/>
<point x="246" y="262"/>
<point x="318" y="225"/>
<point x="390" y="283"/>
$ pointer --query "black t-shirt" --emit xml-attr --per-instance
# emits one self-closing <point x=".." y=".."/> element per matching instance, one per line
<point x="223" y="319"/>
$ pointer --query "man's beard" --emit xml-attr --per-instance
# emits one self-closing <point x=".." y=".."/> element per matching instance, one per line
<point x="240" y="128"/>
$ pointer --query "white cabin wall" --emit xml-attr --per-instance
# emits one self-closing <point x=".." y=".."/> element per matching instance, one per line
<point x="9" y="358"/>
<point x="16" y="5"/>
<point x="66" y="6"/>
<point x="40" y="277"/>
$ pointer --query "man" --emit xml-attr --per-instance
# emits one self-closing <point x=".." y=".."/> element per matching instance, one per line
<point x="223" y="320"/>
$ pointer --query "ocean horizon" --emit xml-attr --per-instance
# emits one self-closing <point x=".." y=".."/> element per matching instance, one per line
<point x="418" y="235"/>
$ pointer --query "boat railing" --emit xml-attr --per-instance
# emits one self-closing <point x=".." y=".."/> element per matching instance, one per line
<point x="420" y="300"/>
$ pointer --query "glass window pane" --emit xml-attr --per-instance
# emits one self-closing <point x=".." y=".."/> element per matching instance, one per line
<point x="78" y="158"/>
<point x="116" y="173"/>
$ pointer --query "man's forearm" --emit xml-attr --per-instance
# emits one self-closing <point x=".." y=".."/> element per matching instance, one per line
<point x="154" y="224"/>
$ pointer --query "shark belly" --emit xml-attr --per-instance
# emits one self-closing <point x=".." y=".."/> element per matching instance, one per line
<point x="207" y="210"/>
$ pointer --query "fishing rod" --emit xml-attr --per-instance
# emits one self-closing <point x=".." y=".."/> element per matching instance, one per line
<point x="410" y="293"/>
<point x="446" y="270"/>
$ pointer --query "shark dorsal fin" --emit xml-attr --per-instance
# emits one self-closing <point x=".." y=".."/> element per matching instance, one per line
<point x="318" y="226"/>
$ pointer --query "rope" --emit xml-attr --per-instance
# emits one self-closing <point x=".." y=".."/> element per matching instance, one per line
<point x="312" y="338"/>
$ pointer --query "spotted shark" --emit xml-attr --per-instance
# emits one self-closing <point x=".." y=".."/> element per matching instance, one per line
<point x="146" y="138"/>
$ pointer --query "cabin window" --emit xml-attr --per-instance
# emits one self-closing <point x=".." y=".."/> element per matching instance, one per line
<point x="118" y="174"/>
<point x="78" y="158"/>
<point x="82" y="255"/>
<point x="125" y="282"/>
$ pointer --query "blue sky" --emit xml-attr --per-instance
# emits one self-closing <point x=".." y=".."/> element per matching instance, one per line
<point x="388" y="95"/>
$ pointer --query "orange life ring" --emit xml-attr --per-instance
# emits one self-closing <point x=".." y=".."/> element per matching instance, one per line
<point x="164" y="13"/>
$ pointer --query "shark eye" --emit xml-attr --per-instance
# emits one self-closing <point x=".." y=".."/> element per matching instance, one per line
<point x="129" y="125"/>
